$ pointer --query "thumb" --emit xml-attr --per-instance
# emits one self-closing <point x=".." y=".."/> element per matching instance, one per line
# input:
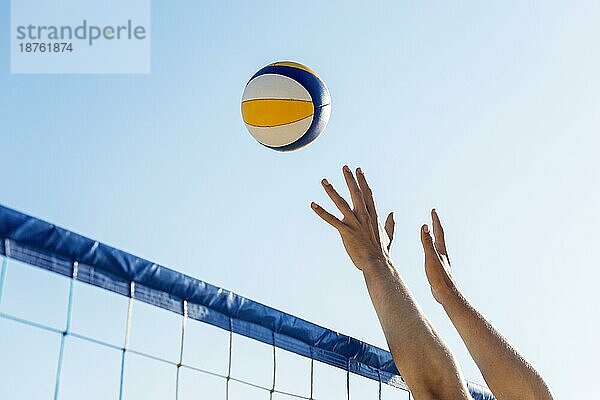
<point x="390" y="226"/>
<point x="427" y="242"/>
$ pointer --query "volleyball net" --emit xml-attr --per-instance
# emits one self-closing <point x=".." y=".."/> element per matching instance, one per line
<point x="91" y="321"/>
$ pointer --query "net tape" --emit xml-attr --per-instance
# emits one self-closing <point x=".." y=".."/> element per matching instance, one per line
<point x="44" y="245"/>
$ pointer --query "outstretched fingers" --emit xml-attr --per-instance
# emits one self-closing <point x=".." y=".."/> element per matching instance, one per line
<point x="367" y="195"/>
<point x="427" y="242"/>
<point x="438" y="233"/>
<point x="327" y="217"/>
<point x="338" y="200"/>
<point x="355" y="193"/>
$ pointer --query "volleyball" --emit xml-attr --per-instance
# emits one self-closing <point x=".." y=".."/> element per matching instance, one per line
<point x="285" y="106"/>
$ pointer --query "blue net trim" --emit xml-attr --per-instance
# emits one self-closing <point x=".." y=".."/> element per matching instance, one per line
<point x="55" y="249"/>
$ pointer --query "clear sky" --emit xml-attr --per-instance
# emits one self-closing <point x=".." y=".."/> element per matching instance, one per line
<point x="488" y="112"/>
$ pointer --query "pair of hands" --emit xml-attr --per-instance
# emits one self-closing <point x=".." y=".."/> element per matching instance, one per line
<point x="368" y="244"/>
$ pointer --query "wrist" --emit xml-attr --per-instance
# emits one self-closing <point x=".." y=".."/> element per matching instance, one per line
<point x="376" y="266"/>
<point x="450" y="297"/>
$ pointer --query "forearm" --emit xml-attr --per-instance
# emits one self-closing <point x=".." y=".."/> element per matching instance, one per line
<point x="423" y="359"/>
<point x="507" y="373"/>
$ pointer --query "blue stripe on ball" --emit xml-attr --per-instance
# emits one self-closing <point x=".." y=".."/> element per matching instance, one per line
<point x="315" y="87"/>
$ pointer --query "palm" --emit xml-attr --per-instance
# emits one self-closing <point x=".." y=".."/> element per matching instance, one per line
<point x="362" y="248"/>
<point x="437" y="263"/>
<point x="438" y="275"/>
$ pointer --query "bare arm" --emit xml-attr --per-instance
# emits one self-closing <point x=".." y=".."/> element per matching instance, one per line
<point x="508" y="375"/>
<point x="421" y="356"/>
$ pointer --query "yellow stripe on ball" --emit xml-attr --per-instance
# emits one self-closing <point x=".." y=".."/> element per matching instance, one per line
<point x="274" y="112"/>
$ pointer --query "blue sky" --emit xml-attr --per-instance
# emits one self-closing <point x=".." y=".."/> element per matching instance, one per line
<point x="488" y="112"/>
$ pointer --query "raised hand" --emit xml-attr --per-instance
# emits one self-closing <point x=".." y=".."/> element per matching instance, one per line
<point x="507" y="373"/>
<point x="437" y="263"/>
<point x="365" y="241"/>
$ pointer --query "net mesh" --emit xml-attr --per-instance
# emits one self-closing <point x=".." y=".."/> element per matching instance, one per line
<point x="63" y="338"/>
